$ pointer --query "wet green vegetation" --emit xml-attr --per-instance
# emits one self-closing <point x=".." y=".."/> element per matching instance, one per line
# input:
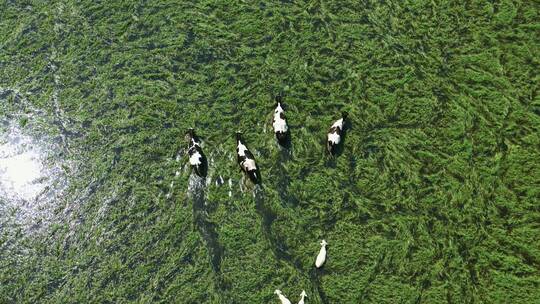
<point x="434" y="199"/>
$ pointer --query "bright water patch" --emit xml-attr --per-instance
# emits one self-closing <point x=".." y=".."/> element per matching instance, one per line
<point x="20" y="172"/>
<point x="30" y="179"/>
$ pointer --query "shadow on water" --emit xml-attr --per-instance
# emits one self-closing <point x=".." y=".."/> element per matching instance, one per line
<point x="286" y="147"/>
<point x="207" y="229"/>
<point x="268" y="216"/>
<point x="286" y="143"/>
<point x="283" y="180"/>
<point x="283" y="183"/>
<point x="376" y="270"/>
<point x="279" y="248"/>
<point x="314" y="277"/>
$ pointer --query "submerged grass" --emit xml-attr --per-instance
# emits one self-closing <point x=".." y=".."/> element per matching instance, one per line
<point x="434" y="198"/>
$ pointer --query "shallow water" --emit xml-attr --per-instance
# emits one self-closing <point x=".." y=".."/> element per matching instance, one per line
<point x="432" y="199"/>
<point x="32" y="179"/>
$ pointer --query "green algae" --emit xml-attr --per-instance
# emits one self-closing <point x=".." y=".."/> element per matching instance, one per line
<point x="434" y="198"/>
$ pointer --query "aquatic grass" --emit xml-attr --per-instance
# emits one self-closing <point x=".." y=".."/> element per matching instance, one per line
<point x="434" y="198"/>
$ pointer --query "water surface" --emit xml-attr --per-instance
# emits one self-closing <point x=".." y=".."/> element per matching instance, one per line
<point x="433" y="198"/>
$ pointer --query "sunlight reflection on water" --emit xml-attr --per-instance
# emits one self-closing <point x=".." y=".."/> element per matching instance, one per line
<point x="28" y="179"/>
<point x="20" y="172"/>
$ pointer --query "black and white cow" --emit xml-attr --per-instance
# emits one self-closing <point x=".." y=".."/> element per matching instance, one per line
<point x="197" y="159"/>
<point x="335" y="134"/>
<point x="280" y="123"/>
<point x="246" y="160"/>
